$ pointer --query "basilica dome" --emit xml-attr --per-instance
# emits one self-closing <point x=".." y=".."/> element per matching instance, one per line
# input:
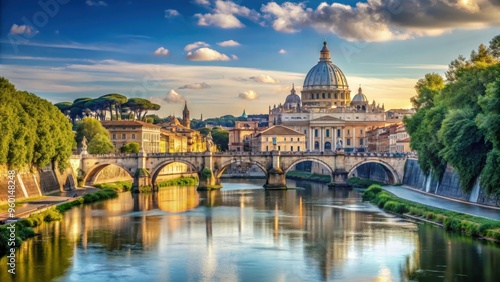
<point x="360" y="97"/>
<point x="292" y="100"/>
<point x="325" y="75"/>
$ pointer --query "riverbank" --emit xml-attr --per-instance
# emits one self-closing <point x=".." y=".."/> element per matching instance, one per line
<point x="473" y="226"/>
<point x="23" y="228"/>
<point x="322" y="178"/>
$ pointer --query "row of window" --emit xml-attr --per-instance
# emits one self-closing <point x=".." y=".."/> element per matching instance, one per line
<point x="124" y="136"/>
<point x="284" y="148"/>
<point x="329" y="95"/>
<point x="284" y="139"/>
<point x="327" y="132"/>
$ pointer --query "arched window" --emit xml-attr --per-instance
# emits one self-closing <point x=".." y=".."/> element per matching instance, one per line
<point x="323" y="95"/>
<point x="316" y="145"/>
<point x="328" y="146"/>
<point x="335" y="95"/>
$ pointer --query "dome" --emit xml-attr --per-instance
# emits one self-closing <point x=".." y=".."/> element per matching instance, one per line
<point x="325" y="75"/>
<point x="292" y="100"/>
<point x="360" y="97"/>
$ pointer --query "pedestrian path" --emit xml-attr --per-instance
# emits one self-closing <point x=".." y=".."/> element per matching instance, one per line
<point x="25" y="209"/>
<point x="444" y="203"/>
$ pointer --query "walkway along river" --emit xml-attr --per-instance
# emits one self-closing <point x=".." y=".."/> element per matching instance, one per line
<point x="245" y="233"/>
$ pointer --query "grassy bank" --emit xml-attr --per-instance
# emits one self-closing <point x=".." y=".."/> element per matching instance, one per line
<point x="451" y="221"/>
<point x="118" y="186"/>
<point x="303" y="175"/>
<point x="362" y="183"/>
<point x="181" y="181"/>
<point x="5" y="207"/>
<point x="24" y="227"/>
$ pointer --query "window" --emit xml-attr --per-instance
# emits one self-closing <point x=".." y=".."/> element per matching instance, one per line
<point x="317" y="95"/>
<point x="267" y="138"/>
<point x="323" y="95"/>
<point x="124" y="136"/>
<point x="315" y="133"/>
<point x="361" y="131"/>
<point x="348" y="132"/>
<point x="114" y="136"/>
<point x="360" y="141"/>
<point x="305" y="131"/>
<point x="279" y="148"/>
<point x="298" y="139"/>
<point x="291" y="148"/>
<point x="298" y="148"/>
<point x="267" y="148"/>
<point x="284" y="139"/>
<point x="335" y="95"/>
<point x="329" y="95"/>
<point x="312" y="96"/>
<point x="338" y="132"/>
<point x="348" y="141"/>
<point x="328" y="133"/>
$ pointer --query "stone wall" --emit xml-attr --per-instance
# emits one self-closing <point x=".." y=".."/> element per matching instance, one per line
<point x="372" y="171"/>
<point x="448" y="187"/>
<point x="36" y="182"/>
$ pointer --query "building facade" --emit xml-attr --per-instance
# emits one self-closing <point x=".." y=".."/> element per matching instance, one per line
<point x="240" y="136"/>
<point x="325" y="112"/>
<point x="122" y="132"/>
<point x="279" y="138"/>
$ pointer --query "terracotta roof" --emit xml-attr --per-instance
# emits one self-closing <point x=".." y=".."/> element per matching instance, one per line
<point x="131" y="123"/>
<point x="280" y="130"/>
<point x="406" y="140"/>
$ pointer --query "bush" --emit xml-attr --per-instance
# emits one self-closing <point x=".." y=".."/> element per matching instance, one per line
<point x="375" y="188"/>
<point x="51" y="215"/>
<point x="452" y="224"/>
<point x="395" y="207"/>
<point x="430" y="215"/>
<point x="439" y="218"/>
<point x="382" y="198"/>
<point x="368" y="196"/>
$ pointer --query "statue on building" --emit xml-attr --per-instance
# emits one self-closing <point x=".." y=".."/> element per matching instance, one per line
<point x="209" y="141"/>
<point x="339" y="145"/>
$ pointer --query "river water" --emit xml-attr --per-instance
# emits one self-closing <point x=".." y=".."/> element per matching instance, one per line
<point x="245" y="233"/>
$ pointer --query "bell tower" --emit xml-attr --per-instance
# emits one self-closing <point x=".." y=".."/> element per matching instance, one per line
<point x="185" y="116"/>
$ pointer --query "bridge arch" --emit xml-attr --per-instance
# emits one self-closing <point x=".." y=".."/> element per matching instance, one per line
<point x="156" y="170"/>
<point x="392" y="174"/>
<point x="91" y="175"/>
<point x="226" y="164"/>
<point x="300" y="160"/>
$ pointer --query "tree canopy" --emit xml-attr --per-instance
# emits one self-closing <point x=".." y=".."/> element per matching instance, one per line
<point x="33" y="131"/>
<point x="92" y="128"/>
<point x="458" y="121"/>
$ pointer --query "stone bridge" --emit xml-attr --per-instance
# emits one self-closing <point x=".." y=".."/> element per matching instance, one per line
<point x="145" y="167"/>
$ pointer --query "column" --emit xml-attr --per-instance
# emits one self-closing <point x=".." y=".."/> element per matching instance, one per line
<point x="334" y="138"/>
<point x="311" y="137"/>
<point x="321" y="138"/>
<point x="354" y="137"/>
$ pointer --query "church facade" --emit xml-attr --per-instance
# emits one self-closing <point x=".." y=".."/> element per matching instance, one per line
<point x="325" y="112"/>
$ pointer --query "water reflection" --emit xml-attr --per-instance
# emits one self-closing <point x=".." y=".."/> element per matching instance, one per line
<point x="246" y="233"/>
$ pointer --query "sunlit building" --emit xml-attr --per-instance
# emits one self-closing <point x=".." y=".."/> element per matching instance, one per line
<point x="122" y="132"/>
<point x="279" y="138"/>
<point x="325" y="112"/>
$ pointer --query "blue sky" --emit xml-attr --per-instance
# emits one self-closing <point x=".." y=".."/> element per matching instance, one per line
<point x="226" y="56"/>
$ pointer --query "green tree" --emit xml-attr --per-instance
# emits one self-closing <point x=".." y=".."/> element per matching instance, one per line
<point x="89" y="127"/>
<point x="132" y="147"/>
<point x="100" y="144"/>
<point x="115" y="100"/>
<point x="220" y="138"/>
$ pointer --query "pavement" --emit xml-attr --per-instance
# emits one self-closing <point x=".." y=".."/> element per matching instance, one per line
<point x="427" y="199"/>
<point x="25" y="209"/>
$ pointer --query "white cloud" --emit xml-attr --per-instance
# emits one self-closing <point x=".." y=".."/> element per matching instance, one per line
<point x="224" y="15"/>
<point x="248" y="95"/>
<point x="262" y="78"/>
<point x="376" y="20"/>
<point x="195" y="45"/>
<point x="96" y="3"/>
<point x="282" y="51"/>
<point x="202" y="2"/>
<point x="161" y="52"/>
<point x="22" y="29"/>
<point x="206" y="54"/>
<point x="202" y="85"/>
<point x="171" y="13"/>
<point x="228" y="43"/>
<point x="234" y="57"/>
<point x="83" y="78"/>
<point x="173" y="97"/>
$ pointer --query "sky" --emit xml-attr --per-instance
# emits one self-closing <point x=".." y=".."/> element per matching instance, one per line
<point x="223" y="57"/>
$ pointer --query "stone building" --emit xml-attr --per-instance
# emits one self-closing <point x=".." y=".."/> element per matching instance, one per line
<point x="279" y="138"/>
<point x="122" y="132"/>
<point x="240" y="136"/>
<point x="325" y="112"/>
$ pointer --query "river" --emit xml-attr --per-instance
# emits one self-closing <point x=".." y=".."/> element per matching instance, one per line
<point x="245" y="233"/>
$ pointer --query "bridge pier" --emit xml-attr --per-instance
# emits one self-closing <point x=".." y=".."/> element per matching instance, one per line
<point x="207" y="180"/>
<point x="340" y="177"/>
<point x="275" y="176"/>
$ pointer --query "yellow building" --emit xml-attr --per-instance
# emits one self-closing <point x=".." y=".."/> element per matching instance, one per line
<point x="280" y="138"/>
<point x="179" y="138"/>
<point x="240" y="136"/>
<point x="122" y="132"/>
